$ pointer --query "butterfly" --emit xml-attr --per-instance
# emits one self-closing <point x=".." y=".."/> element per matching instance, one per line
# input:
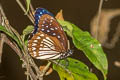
<point x="48" y="40"/>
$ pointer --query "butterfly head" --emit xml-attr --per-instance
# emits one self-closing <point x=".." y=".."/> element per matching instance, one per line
<point x="66" y="54"/>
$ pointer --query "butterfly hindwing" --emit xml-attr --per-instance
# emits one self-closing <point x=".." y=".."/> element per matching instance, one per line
<point x="41" y="46"/>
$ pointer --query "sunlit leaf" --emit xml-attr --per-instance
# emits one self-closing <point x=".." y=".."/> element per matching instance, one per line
<point x="28" y="30"/>
<point x="90" y="46"/>
<point x="67" y="27"/>
<point x="2" y="28"/>
<point x="75" y="70"/>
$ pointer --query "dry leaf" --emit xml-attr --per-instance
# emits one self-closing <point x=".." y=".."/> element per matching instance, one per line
<point x="49" y="71"/>
<point x="59" y="15"/>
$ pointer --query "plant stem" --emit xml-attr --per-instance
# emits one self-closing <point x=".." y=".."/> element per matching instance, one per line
<point x="1" y="45"/>
<point x="98" y="18"/>
<point x="24" y="10"/>
<point x="46" y="68"/>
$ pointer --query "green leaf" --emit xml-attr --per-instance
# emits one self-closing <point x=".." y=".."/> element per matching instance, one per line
<point x="67" y="27"/>
<point x="90" y="46"/>
<point x="75" y="70"/>
<point x="28" y="30"/>
<point x="28" y="5"/>
<point x="2" y="28"/>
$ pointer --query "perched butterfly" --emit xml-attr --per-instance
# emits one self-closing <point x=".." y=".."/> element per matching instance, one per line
<point x="48" y="40"/>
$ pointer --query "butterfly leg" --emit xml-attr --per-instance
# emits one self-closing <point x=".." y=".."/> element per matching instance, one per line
<point x="66" y="62"/>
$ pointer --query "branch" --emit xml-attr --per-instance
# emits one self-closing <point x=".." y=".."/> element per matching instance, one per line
<point x="98" y="17"/>
<point x="1" y="45"/>
<point x="24" y="10"/>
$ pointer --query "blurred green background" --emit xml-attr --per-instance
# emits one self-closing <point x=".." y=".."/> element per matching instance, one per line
<point x="79" y="12"/>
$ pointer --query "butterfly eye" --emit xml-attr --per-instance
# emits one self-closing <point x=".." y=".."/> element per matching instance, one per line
<point x="48" y="40"/>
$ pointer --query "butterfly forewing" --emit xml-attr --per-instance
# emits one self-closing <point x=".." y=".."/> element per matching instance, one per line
<point x="51" y="27"/>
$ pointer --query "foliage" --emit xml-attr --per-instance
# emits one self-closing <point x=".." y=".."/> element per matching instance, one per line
<point x="90" y="46"/>
<point x="75" y="71"/>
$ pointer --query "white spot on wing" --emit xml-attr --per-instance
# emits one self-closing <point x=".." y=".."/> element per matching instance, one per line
<point x="34" y="44"/>
<point x="51" y="20"/>
<point x="58" y="36"/>
<point x="42" y="29"/>
<point x="34" y="52"/>
<point x="42" y="25"/>
<point x="35" y="41"/>
<point x="40" y="12"/>
<point x="48" y="30"/>
<point x="40" y="48"/>
<point x="54" y="34"/>
<point x="33" y="48"/>
<point x="51" y="28"/>
<point x="41" y="44"/>
<point x="56" y="28"/>
<point x="42" y="35"/>
<point x="38" y="37"/>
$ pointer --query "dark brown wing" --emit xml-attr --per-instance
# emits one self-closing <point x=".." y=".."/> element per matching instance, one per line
<point x="51" y="27"/>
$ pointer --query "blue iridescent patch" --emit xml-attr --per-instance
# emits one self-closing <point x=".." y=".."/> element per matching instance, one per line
<point x="38" y="13"/>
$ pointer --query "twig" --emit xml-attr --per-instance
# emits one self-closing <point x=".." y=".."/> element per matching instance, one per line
<point x="32" y="11"/>
<point x="17" y="50"/>
<point x="31" y="7"/>
<point x="1" y="45"/>
<point x="24" y="10"/>
<point x="98" y="17"/>
<point x="4" y="19"/>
